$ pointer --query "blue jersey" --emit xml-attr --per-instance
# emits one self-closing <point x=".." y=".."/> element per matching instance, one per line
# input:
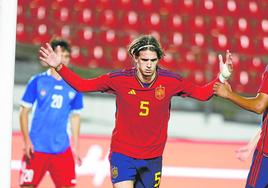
<point x="53" y="101"/>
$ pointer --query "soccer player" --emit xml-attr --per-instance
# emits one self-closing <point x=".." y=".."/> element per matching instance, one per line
<point x="47" y="146"/>
<point x="143" y="96"/>
<point x="257" y="177"/>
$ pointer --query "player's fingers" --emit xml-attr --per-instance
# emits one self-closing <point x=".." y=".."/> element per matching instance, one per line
<point x="42" y="60"/>
<point x="228" y="54"/>
<point x="43" y="54"/>
<point x="44" y="50"/>
<point x="49" y="48"/>
<point x="220" y="59"/>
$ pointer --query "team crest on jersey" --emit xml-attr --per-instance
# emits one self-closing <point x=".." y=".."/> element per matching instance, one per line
<point x="160" y="92"/>
<point x="114" y="172"/>
<point x="43" y="92"/>
<point x="71" y="94"/>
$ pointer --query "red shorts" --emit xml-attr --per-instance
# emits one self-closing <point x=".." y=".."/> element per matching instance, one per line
<point x="60" y="166"/>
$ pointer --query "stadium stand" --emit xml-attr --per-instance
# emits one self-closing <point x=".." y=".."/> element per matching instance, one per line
<point x="190" y="31"/>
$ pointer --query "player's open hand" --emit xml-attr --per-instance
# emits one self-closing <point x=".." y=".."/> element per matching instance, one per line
<point x="29" y="150"/>
<point x="226" y="68"/>
<point x="222" y="89"/>
<point x="49" y="57"/>
<point x="243" y="153"/>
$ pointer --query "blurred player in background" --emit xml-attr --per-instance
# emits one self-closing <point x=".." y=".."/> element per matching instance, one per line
<point x="257" y="177"/>
<point x="47" y="145"/>
<point x="143" y="96"/>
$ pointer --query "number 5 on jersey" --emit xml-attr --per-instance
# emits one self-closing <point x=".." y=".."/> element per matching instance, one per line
<point x="144" y="108"/>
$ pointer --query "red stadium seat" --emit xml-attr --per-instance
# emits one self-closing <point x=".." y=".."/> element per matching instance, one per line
<point x="86" y="36"/>
<point x="22" y="34"/>
<point x="120" y="58"/>
<point x="175" y="39"/>
<point x="62" y="14"/>
<point x="77" y="58"/>
<point x="241" y="27"/>
<point x="175" y="23"/>
<point x="251" y="9"/>
<point x="107" y="19"/>
<point x="98" y="57"/>
<point x="86" y="16"/>
<point x="166" y="7"/>
<point x="145" y="5"/>
<point x="262" y="27"/>
<point x="108" y="37"/>
<point x="184" y="7"/>
<point x="63" y="31"/>
<point x="39" y="13"/>
<point x="58" y="4"/>
<point x="209" y="7"/>
<point x="125" y="5"/>
<point x="198" y="40"/>
<point x="197" y="24"/>
<point x="218" y="25"/>
<point x="152" y="21"/>
<point x="130" y="21"/>
<point x="244" y="44"/>
<point x="40" y="33"/>
<point x="230" y="8"/>
<point x="220" y="42"/>
<point x="168" y="61"/>
<point x="125" y="39"/>
<point x="262" y="46"/>
<point x="79" y="5"/>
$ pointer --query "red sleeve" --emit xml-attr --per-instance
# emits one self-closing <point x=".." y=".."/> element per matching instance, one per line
<point x="264" y="83"/>
<point x="100" y="83"/>
<point x="202" y="93"/>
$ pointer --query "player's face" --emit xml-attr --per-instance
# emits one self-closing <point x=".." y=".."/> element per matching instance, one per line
<point x="146" y="63"/>
<point x="65" y="57"/>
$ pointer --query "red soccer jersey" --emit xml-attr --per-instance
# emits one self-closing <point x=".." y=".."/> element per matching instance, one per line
<point x="263" y="141"/>
<point x="142" y="114"/>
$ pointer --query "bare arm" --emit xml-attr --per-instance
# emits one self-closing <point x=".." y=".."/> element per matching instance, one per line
<point x="24" y="113"/>
<point x="245" y="152"/>
<point x="75" y="126"/>
<point x="255" y="104"/>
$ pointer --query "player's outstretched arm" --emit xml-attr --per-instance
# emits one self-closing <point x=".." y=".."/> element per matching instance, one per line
<point x="205" y="92"/>
<point x="255" y="104"/>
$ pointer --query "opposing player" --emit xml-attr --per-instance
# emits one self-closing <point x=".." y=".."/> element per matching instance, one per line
<point x="257" y="177"/>
<point x="47" y="146"/>
<point x="143" y="96"/>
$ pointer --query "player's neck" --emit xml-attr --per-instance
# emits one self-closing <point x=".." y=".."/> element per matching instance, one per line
<point x="146" y="79"/>
<point x="55" y="74"/>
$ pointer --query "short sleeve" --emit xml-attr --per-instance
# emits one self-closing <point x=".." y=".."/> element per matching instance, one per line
<point x="30" y="93"/>
<point x="77" y="103"/>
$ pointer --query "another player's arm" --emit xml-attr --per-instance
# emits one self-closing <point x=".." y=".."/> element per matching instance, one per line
<point x="75" y="127"/>
<point x="245" y="152"/>
<point x="255" y="104"/>
<point x="24" y="115"/>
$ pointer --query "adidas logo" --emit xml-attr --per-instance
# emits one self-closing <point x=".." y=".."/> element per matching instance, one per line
<point x="132" y="92"/>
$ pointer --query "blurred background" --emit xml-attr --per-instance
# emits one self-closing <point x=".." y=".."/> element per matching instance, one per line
<point x="203" y="135"/>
